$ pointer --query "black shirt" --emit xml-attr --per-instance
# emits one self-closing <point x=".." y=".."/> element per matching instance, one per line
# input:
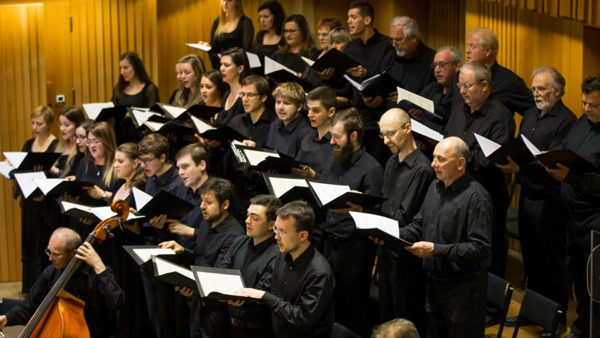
<point x="286" y="139"/>
<point x="493" y="121"/>
<point x="442" y="104"/>
<point x="241" y="37"/>
<point x="301" y="295"/>
<point x="363" y="173"/>
<point x="212" y="243"/>
<point x="88" y="171"/>
<point x="100" y="292"/>
<point x="224" y="117"/>
<point x="168" y="179"/>
<point x="256" y="131"/>
<point x="545" y="132"/>
<point x="581" y="191"/>
<point x="255" y="262"/>
<point x="263" y="50"/>
<point x="413" y="73"/>
<point x="193" y="218"/>
<point x="315" y="151"/>
<point x="146" y="98"/>
<point x="458" y="220"/>
<point x="369" y="55"/>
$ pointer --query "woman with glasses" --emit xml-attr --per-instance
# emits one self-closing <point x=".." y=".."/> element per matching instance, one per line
<point x="324" y="27"/>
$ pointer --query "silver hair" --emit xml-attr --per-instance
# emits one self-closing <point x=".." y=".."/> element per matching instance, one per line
<point x="557" y="81"/>
<point x="481" y="72"/>
<point x="410" y="27"/>
<point x="454" y="52"/>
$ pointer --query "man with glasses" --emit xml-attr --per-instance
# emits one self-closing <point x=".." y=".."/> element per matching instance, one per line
<point x="301" y="290"/>
<point x="485" y="115"/>
<point x="153" y="151"/>
<point x="92" y="282"/>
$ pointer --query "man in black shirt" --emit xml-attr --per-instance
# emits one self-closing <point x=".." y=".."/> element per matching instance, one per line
<point x="452" y="232"/>
<point x="153" y="151"/>
<point x="485" y="115"/>
<point x="92" y="283"/>
<point x="542" y="214"/>
<point x="581" y="193"/>
<point x="253" y="255"/>
<point x="301" y="290"/>
<point x="254" y="125"/>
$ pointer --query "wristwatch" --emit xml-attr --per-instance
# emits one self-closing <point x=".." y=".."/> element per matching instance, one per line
<point x="104" y="194"/>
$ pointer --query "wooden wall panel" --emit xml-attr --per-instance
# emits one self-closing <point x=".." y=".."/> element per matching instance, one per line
<point x="22" y="88"/>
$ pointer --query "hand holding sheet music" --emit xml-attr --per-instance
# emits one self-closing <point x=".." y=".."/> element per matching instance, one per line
<point x="384" y="228"/>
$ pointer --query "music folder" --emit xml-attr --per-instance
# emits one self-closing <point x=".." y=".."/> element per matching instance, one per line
<point x="563" y="156"/>
<point x="141" y="115"/>
<point x="210" y="132"/>
<point x="263" y="159"/>
<point x="335" y="195"/>
<point x="381" y="227"/>
<point x="142" y="254"/>
<point x="171" y="112"/>
<point x="27" y="161"/>
<point x="219" y="284"/>
<point x="409" y="100"/>
<point x="103" y="111"/>
<point x="98" y="214"/>
<point x="495" y="152"/>
<point x="203" y="112"/>
<point x="163" y="203"/>
<point x="335" y="59"/>
<point x="289" y="188"/>
<point x="169" y="128"/>
<point x="59" y="186"/>
<point x="173" y="274"/>
<point x="26" y="182"/>
<point x="281" y="74"/>
<point x="378" y="85"/>
<point x="425" y="134"/>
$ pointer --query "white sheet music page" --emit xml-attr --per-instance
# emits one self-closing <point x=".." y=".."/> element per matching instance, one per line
<point x="413" y="98"/>
<point x="422" y="129"/>
<point x="175" y="112"/>
<point x="328" y="192"/>
<point x="46" y="185"/>
<point x="281" y="185"/>
<point x="164" y="267"/>
<point x="145" y="254"/>
<point x="201" y="126"/>
<point x="92" y="110"/>
<point x="532" y="148"/>
<point x="69" y="205"/>
<point x="200" y="46"/>
<point x="154" y="126"/>
<point x="141" y="198"/>
<point x="6" y="168"/>
<point x="253" y="60"/>
<point x="370" y="221"/>
<point x="307" y="60"/>
<point x="272" y="66"/>
<point x="256" y="156"/>
<point x="26" y="183"/>
<point x="142" y="116"/>
<point x="106" y="212"/>
<point x="15" y="157"/>
<point x="219" y="282"/>
<point x="487" y="146"/>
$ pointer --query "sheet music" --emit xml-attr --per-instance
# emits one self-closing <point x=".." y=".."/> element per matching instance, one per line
<point x="6" y="168"/>
<point x="141" y="198"/>
<point x="281" y="185"/>
<point x="369" y="221"/>
<point x="46" y="185"/>
<point x="422" y="129"/>
<point x="254" y="60"/>
<point x="328" y="192"/>
<point x="307" y="60"/>
<point x="175" y="112"/>
<point x="202" y="47"/>
<point x="142" y="116"/>
<point x="413" y="98"/>
<point x="362" y="85"/>
<point x="15" y="157"/>
<point x="154" y="126"/>
<point x="145" y="254"/>
<point x="272" y="66"/>
<point x="68" y="206"/>
<point x="487" y="146"/>
<point x="254" y="157"/>
<point x="533" y="149"/>
<point x="219" y="282"/>
<point x="26" y="183"/>
<point x="164" y="267"/>
<point x="92" y="110"/>
<point x="106" y="212"/>
<point x="201" y="126"/>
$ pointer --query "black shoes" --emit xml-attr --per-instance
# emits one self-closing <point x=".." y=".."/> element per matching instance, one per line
<point x="560" y="329"/>
<point x="512" y="322"/>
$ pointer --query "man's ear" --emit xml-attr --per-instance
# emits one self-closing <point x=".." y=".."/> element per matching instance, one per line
<point x="225" y="205"/>
<point x="368" y="20"/>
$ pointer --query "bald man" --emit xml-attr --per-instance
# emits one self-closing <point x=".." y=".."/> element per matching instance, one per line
<point x="452" y="232"/>
<point x="93" y="283"/>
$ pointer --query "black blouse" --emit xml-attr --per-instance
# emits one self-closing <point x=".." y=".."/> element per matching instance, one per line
<point x="241" y="37"/>
<point x="146" y="98"/>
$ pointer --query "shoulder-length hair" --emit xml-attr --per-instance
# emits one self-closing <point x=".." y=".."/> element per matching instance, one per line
<point x="308" y="40"/>
<point x="75" y="115"/>
<point x="239" y="11"/>
<point x="183" y="96"/>
<point x="138" y="67"/>
<point x="106" y="135"/>
<point x="240" y="58"/>
<point x="129" y="149"/>
<point x="278" y="14"/>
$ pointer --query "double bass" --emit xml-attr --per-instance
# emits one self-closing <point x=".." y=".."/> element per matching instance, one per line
<point x="61" y="314"/>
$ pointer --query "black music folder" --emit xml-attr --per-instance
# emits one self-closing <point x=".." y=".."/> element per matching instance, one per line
<point x="163" y="203"/>
<point x="219" y="284"/>
<point x="223" y="134"/>
<point x="515" y="148"/>
<point x="378" y="85"/>
<point x="335" y="59"/>
<point x="59" y="186"/>
<point x="335" y="195"/>
<point x="263" y="159"/>
<point x="26" y="161"/>
<point x="568" y="158"/>
<point x="289" y="188"/>
<point x="173" y="274"/>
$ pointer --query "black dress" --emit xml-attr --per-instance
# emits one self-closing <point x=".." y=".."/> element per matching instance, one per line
<point x="36" y="229"/>
<point x="125" y="130"/>
<point x="241" y="37"/>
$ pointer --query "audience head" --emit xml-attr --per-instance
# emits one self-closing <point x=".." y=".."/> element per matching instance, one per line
<point x="130" y="67"/>
<point x="289" y="100"/>
<point x="254" y="94"/>
<point x="360" y="15"/>
<point x="153" y="152"/>
<point x="294" y="226"/>
<point x="127" y="165"/>
<point x="475" y="83"/>
<point x="261" y="215"/>
<point x="297" y="36"/>
<point x="321" y="106"/>
<point x="62" y="246"/>
<point x="324" y="27"/>
<point x="42" y="118"/>
<point x="271" y="16"/>
<point x="396" y="130"/>
<point x="396" y="328"/>
<point x="339" y="38"/>
<point x="405" y="35"/>
<point x="347" y="130"/>
<point x="192" y="161"/>
<point x="217" y="196"/>
<point x="212" y="88"/>
<point x="482" y="45"/>
<point x="191" y="68"/>
<point x="446" y="63"/>
<point x="591" y="98"/>
<point x="234" y="65"/>
<point x="450" y="158"/>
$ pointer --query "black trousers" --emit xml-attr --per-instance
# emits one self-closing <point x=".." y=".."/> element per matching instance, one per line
<point x="543" y="237"/>
<point x="456" y="306"/>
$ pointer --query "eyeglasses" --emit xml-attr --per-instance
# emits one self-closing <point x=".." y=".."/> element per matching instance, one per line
<point x="440" y="64"/>
<point x="282" y="234"/>
<point x="466" y="85"/>
<point x="392" y="133"/>
<point x="146" y="160"/>
<point x="51" y="255"/>
<point x="80" y="138"/>
<point x="291" y="31"/>
<point x="540" y="90"/>
<point x="248" y="95"/>
<point x="92" y="142"/>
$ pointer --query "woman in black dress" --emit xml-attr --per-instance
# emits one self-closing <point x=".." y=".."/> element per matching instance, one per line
<point x="212" y="88"/>
<point x="234" y="67"/>
<point x="69" y="119"/>
<point x="191" y="68"/>
<point x="35" y="231"/>
<point x="268" y="39"/>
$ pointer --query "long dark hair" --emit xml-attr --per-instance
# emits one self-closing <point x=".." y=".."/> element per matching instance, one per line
<point x="239" y="57"/>
<point x="138" y="67"/>
<point x="278" y="14"/>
